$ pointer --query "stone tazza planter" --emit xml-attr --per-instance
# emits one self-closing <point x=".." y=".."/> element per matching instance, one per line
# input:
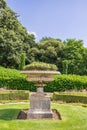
<point x="39" y="102"/>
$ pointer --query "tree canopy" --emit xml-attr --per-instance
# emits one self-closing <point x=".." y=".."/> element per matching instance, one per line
<point x="70" y="56"/>
<point x="14" y="38"/>
<point x="74" y="54"/>
<point x="50" y="51"/>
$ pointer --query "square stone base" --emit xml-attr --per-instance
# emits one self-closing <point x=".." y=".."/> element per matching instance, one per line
<point x="39" y="115"/>
<point x="39" y="107"/>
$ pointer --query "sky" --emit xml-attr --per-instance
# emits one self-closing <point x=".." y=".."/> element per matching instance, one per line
<point x="61" y="19"/>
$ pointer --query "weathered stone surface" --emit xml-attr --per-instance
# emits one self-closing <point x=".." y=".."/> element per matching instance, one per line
<point x="23" y="115"/>
<point x="39" y="107"/>
<point x="39" y="103"/>
<point x="40" y="90"/>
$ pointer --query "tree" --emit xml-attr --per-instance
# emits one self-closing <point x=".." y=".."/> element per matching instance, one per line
<point x="73" y="53"/>
<point x="84" y="63"/>
<point x="50" y="51"/>
<point x="33" y="54"/>
<point x="65" y="67"/>
<point x="14" y="38"/>
<point x="22" y="61"/>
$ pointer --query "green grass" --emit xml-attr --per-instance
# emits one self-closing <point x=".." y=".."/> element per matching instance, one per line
<point x="73" y="118"/>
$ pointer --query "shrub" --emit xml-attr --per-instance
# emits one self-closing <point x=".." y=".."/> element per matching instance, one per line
<point x="22" y="61"/>
<point x="12" y="79"/>
<point x="67" y="82"/>
<point x="69" y="98"/>
<point x="15" y="95"/>
<point x="40" y="66"/>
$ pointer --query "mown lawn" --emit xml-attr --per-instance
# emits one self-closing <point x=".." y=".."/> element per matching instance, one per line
<point x="73" y="118"/>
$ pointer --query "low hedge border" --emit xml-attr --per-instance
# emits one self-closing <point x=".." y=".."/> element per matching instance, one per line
<point x="14" y="95"/>
<point x="69" y="98"/>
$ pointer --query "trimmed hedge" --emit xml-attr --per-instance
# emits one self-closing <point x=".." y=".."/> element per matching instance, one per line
<point x="14" y="95"/>
<point x="12" y="79"/>
<point x="67" y="82"/>
<point x="17" y="84"/>
<point x="69" y="98"/>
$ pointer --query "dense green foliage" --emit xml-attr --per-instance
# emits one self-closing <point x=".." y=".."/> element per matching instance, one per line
<point x="14" y="95"/>
<point x="22" y="61"/>
<point x="40" y="66"/>
<point x="67" y="82"/>
<point x="69" y="56"/>
<point x="14" y="38"/>
<point x="65" y="67"/>
<point x="50" y="51"/>
<point x="73" y="118"/>
<point x="75" y="55"/>
<point x="12" y="79"/>
<point x="69" y="98"/>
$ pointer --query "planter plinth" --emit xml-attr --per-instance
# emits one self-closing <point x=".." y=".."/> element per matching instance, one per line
<point x="39" y="107"/>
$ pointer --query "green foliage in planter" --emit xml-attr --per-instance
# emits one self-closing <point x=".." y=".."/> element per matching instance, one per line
<point x="69" y="98"/>
<point x="40" y="66"/>
<point x="15" y="95"/>
<point x="67" y="82"/>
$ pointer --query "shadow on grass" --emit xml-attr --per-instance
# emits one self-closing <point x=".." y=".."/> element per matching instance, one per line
<point x="9" y="114"/>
